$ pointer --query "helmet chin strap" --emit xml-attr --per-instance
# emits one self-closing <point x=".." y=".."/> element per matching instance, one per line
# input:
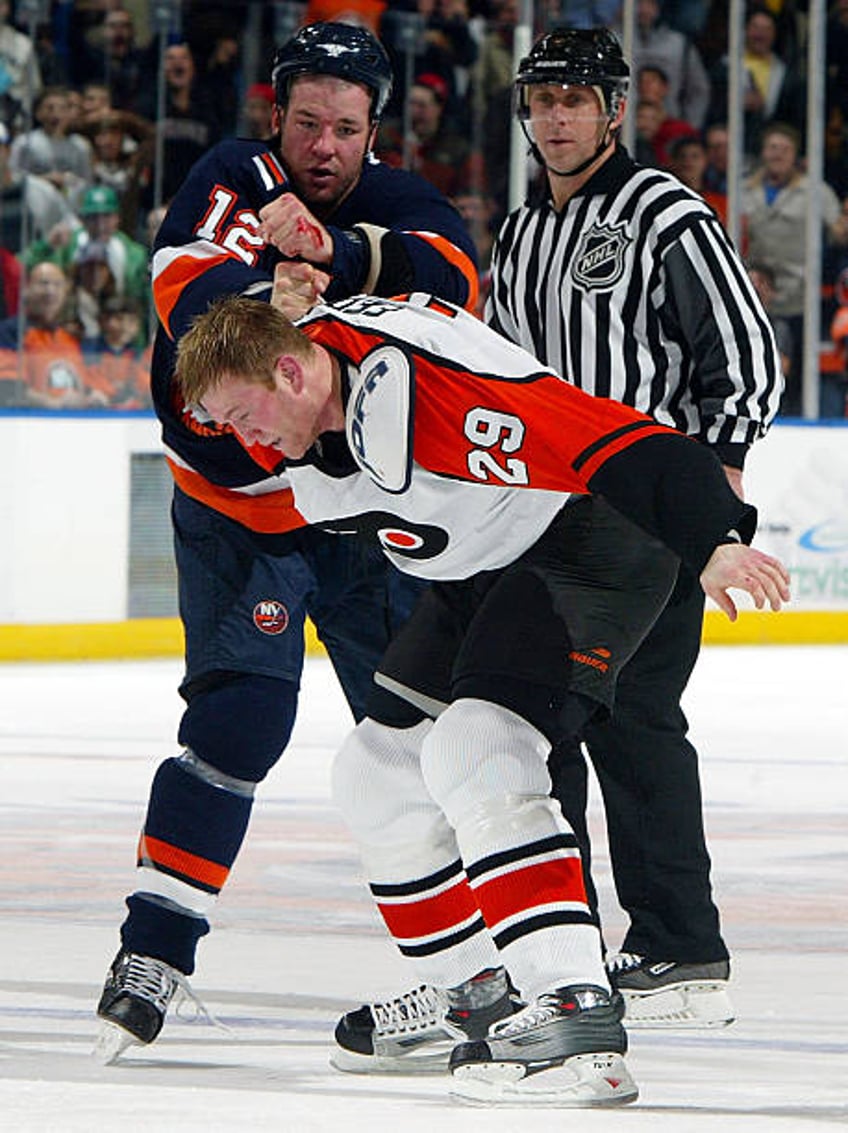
<point x="606" y="138"/>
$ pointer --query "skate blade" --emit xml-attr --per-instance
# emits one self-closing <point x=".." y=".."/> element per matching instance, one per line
<point x="684" y="1006"/>
<point x="348" y="1062"/>
<point x="111" y="1042"/>
<point x="582" y="1081"/>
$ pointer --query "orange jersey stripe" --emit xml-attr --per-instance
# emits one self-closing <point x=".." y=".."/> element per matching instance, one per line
<point x="275" y="173"/>
<point x="459" y="260"/>
<point x="273" y="513"/>
<point x="523" y="890"/>
<point x="188" y="866"/>
<point x="170" y="283"/>
<point x="430" y="914"/>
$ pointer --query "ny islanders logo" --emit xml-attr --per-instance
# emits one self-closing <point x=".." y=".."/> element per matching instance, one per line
<point x="598" y="263"/>
<point x="270" y="616"/>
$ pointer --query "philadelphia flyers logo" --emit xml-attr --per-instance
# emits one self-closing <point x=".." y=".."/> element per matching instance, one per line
<point x="393" y="533"/>
<point x="271" y="617"/>
<point x="396" y="539"/>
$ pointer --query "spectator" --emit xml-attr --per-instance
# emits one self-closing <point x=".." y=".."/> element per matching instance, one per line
<point x="189" y="128"/>
<point x="100" y="217"/>
<point x="772" y="90"/>
<point x="218" y="70"/>
<point x="775" y="202"/>
<point x="836" y="151"/>
<point x="653" y="87"/>
<point x="479" y="211"/>
<point x="657" y="45"/>
<point x="491" y="96"/>
<point x="52" y="63"/>
<point x="92" y="283"/>
<point x="10" y="283"/>
<point x="114" y="161"/>
<point x="96" y="101"/>
<point x="51" y="151"/>
<point x="836" y="41"/>
<point x="437" y="34"/>
<point x="492" y="70"/>
<point x="762" y="277"/>
<point x="716" y="141"/>
<point x="440" y="154"/>
<point x="833" y="360"/>
<point x="687" y="160"/>
<point x="649" y="116"/>
<point x="258" y="111"/>
<point x="117" y="366"/>
<point x="108" y="54"/>
<point x="45" y="369"/>
<point x="20" y="75"/>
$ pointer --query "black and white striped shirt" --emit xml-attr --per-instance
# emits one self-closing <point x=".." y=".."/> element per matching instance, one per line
<point x="634" y="292"/>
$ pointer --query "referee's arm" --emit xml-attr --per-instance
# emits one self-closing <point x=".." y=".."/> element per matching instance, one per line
<point x="711" y="308"/>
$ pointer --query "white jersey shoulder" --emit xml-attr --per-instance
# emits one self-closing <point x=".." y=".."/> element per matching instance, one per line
<point x="423" y="324"/>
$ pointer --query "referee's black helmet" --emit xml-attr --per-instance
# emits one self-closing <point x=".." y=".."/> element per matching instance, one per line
<point x="344" y="50"/>
<point x="589" y="57"/>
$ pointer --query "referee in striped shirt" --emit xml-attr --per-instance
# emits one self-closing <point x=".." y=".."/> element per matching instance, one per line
<point x="623" y="280"/>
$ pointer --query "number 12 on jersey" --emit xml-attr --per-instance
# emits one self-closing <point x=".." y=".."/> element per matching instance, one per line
<point x="495" y="435"/>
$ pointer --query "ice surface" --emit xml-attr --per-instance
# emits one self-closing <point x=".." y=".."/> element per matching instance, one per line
<point x="295" y="940"/>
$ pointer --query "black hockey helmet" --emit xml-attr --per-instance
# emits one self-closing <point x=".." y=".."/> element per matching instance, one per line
<point x="589" y="57"/>
<point x="344" y="50"/>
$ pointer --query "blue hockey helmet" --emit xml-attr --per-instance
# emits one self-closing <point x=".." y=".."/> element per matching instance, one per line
<point x="344" y="50"/>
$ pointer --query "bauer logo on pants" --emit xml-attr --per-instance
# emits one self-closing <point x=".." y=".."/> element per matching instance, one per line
<point x="270" y="616"/>
<point x="599" y="260"/>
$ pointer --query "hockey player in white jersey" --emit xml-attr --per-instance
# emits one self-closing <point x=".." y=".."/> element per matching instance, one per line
<point x="470" y="462"/>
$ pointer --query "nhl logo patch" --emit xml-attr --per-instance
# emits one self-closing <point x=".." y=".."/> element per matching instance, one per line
<point x="598" y="263"/>
<point x="271" y="617"/>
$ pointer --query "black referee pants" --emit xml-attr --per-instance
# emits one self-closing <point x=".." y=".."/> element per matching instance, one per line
<point x="648" y="774"/>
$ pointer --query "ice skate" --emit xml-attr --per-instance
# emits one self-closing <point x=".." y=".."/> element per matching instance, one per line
<point x="416" y="1032"/>
<point x="668" y="995"/>
<point x="564" y="1049"/>
<point x="132" y="1007"/>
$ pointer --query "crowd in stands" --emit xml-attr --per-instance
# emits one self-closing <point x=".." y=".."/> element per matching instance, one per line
<point x="93" y="144"/>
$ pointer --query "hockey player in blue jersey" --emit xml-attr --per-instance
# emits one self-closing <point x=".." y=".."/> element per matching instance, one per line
<point x="310" y="209"/>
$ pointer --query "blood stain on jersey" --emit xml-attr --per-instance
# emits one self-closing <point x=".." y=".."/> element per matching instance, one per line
<point x="271" y="617"/>
<point x="598" y="263"/>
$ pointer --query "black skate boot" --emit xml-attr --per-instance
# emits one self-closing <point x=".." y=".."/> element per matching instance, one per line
<point x="415" y="1033"/>
<point x="566" y="1048"/>
<point x="133" y="1003"/>
<point x="665" y="994"/>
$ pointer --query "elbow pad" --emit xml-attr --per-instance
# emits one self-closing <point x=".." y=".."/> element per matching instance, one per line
<point x="390" y="271"/>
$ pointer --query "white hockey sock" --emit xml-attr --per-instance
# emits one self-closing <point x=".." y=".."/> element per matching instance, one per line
<point x="486" y="766"/>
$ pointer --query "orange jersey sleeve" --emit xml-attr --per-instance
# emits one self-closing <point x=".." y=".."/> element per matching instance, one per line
<point x="537" y="433"/>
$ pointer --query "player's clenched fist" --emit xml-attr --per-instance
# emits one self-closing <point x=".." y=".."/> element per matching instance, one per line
<point x="289" y="225"/>
<point x="735" y="566"/>
<point x="297" y="288"/>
